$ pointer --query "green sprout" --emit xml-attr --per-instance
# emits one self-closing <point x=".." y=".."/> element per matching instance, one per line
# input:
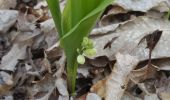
<point x="73" y="24"/>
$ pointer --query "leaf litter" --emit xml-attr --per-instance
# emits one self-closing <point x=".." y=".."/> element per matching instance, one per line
<point x="32" y="63"/>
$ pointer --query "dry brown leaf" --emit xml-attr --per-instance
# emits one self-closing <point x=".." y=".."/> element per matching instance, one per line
<point x="118" y="80"/>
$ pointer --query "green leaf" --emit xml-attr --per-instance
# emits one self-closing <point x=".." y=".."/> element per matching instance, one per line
<point x="56" y="14"/>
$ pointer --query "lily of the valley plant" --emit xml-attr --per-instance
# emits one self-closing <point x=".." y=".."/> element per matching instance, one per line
<point x="73" y="25"/>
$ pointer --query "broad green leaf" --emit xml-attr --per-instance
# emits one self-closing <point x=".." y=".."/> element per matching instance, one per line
<point x="56" y="13"/>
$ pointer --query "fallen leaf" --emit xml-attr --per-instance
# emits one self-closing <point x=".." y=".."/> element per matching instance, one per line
<point x="118" y="80"/>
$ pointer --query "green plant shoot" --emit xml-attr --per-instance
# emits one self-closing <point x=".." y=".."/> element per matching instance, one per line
<point x="75" y="23"/>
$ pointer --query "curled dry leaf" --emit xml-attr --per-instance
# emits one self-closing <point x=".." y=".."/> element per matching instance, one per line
<point x="117" y="81"/>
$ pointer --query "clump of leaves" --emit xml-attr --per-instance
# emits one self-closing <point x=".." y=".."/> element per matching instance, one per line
<point x="76" y="21"/>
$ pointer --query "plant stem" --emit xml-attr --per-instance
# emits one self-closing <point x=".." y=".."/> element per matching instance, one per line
<point x="71" y="76"/>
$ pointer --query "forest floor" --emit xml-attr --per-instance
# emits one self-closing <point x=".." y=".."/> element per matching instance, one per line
<point x="132" y="39"/>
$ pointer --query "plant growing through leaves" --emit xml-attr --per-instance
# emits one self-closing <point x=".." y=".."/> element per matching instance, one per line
<point x="73" y="25"/>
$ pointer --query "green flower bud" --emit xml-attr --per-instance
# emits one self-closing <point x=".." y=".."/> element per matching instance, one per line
<point x="80" y="59"/>
<point x="89" y="52"/>
<point x="87" y="43"/>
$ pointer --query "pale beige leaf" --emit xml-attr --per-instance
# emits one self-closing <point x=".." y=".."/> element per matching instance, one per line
<point x="117" y="81"/>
